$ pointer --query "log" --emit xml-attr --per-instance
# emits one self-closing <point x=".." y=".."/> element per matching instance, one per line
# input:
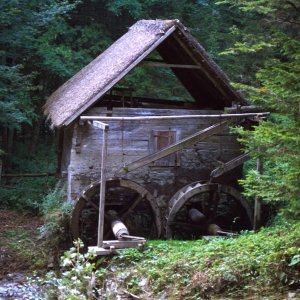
<point x="184" y="143"/>
<point x="180" y="117"/>
<point x="29" y="175"/>
<point x="119" y="229"/>
<point x="243" y="109"/>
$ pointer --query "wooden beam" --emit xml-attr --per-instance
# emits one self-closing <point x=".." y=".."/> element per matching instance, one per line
<point x="184" y="143"/>
<point x="230" y="165"/>
<point x="165" y="65"/>
<point x="132" y="206"/>
<point x="243" y="109"/>
<point x="213" y="78"/>
<point x="179" y="117"/>
<point x="29" y="175"/>
<point x="144" y="100"/>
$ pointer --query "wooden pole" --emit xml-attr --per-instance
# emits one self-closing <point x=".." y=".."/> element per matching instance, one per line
<point x="230" y="165"/>
<point x="102" y="186"/>
<point x="178" y="117"/>
<point x="257" y="203"/>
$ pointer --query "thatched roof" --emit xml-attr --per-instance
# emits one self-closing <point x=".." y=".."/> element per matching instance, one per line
<point x="173" y="42"/>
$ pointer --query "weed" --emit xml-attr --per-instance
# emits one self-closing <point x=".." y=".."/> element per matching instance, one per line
<point x="78" y="278"/>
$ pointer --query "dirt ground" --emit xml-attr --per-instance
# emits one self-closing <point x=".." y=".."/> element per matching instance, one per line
<point x="17" y="241"/>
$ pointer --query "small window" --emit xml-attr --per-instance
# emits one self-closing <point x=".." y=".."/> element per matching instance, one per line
<point x="162" y="139"/>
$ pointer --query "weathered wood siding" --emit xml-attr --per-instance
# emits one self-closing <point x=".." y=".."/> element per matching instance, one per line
<point x="128" y="142"/>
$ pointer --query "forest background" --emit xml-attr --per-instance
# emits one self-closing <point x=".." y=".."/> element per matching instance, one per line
<point x="256" y="43"/>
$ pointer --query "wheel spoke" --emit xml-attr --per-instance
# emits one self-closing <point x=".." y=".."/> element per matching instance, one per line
<point x="88" y="200"/>
<point x="125" y="212"/>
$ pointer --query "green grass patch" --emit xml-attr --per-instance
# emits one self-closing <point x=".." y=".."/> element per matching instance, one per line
<point x="264" y="262"/>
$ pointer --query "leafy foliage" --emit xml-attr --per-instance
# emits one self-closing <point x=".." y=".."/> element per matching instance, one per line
<point x="272" y="28"/>
<point x="22" y="23"/>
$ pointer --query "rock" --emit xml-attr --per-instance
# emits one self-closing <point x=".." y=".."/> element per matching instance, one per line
<point x="2" y="291"/>
<point x="292" y="296"/>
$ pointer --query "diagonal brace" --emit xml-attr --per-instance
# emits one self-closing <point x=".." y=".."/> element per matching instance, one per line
<point x="184" y="143"/>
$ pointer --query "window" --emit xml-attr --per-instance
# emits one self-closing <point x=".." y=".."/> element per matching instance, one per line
<point x="160" y="140"/>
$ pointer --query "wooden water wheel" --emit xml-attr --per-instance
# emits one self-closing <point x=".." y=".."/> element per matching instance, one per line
<point x="214" y="203"/>
<point x="133" y="204"/>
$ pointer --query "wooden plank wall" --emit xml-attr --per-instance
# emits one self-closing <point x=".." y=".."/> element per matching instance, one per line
<point x="128" y="142"/>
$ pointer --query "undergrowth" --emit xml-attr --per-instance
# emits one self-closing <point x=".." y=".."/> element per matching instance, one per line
<point x="25" y="248"/>
<point x="26" y="194"/>
<point x="264" y="262"/>
<point x="37" y="241"/>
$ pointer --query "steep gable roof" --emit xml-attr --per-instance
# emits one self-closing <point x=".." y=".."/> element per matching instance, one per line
<point x="206" y="83"/>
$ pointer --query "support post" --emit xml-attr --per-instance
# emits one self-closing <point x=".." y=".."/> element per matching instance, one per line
<point x="105" y="128"/>
<point x="257" y="203"/>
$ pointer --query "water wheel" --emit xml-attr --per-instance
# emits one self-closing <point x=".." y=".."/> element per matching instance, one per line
<point x="133" y="204"/>
<point x="214" y="203"/>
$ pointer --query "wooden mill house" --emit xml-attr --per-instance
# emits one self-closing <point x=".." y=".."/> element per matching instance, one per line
<point x="170" y="167"/>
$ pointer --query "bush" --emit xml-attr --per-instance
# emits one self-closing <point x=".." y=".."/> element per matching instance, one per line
<point x="56" y="211"/>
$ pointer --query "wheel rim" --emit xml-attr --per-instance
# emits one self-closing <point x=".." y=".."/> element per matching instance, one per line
<point x="221" y="204"/>
<point x="134" y="204"/>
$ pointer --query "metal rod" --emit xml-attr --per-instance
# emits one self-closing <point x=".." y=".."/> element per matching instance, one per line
<point x="162" y="118"/>
<point x="102" y="187"/>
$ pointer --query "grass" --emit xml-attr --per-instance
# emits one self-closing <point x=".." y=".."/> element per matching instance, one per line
<point x="266" y="262"/>
<point x="25" y="248"/>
